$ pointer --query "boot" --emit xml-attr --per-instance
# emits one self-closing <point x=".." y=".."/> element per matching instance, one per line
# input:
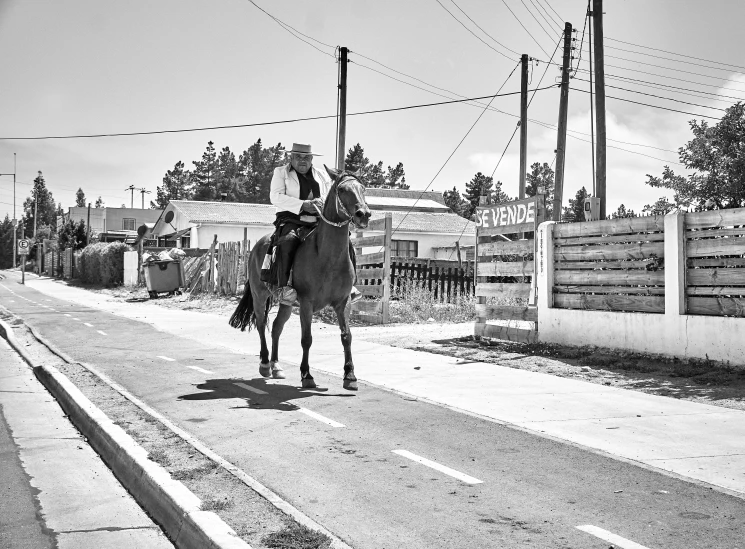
<point x="288" y="296"/>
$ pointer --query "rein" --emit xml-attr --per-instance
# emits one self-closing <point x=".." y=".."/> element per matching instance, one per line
<point x="339" y="207"/>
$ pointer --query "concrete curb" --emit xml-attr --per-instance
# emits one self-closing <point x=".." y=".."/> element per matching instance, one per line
<point x="169" y="502"/>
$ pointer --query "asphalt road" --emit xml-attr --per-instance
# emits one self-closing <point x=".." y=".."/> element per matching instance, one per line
<point x="381" y="470"/>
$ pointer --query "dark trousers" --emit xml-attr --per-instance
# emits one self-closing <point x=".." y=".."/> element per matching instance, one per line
<point x="289" y="238"/>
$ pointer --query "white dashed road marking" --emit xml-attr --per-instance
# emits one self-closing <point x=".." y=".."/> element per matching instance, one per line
<point x="102" y="333"/>
<point x="610" y="537"/>
<point x="166" y="358"/>
<point x="442" y="468"/>
<point x="76" y="319"/>
<point x="249" y="388"/>
<point x="198" y="369"/>
<point x="66" y="314"/>
<point x="320" y="418"/>
<point x="89" y="325"/>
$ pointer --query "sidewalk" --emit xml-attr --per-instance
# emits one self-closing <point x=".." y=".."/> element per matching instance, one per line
<point x="696" y="441"/>
<point x="44" y="504"/>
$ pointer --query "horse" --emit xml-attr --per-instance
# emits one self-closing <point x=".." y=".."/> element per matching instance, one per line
<point x="323" y="274"/>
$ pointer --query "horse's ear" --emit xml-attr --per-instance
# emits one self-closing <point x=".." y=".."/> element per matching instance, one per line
<point x="333" y="173"/>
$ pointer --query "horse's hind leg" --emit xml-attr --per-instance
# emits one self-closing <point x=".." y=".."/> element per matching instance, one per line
<point x="342" y="314"/>
<point x="277" y="326"/>
<point x="306" y="340"/>
<point x="261" y="318"/>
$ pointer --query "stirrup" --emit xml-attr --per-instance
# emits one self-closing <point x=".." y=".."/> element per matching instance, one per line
<point x="355" y="295"/>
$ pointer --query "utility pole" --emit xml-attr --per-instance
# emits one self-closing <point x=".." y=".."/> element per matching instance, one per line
<point x="36" y="213"/>
<point x="523" y="123"/>
<point x="88" y="226"/>
<point x="143" y="190"/>
<point x="340" y="148"/>
<point x="132" y="200"/>
<point x="561" y="139"/>
<point x="15" y="221"/>
<point x="597" y="23"/>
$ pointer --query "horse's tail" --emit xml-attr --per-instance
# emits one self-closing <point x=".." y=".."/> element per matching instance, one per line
<point x="244" y="315"/>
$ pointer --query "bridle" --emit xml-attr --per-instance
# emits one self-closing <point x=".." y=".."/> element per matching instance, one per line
<point x="339" y="208"/>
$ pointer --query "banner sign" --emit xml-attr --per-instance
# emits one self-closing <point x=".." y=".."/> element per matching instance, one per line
<point x="512" y="217"/>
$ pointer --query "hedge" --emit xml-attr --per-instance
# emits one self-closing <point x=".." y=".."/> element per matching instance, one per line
<point x="102" y="263"/>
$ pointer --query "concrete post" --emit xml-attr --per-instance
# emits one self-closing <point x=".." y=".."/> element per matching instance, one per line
<point x="675" y="264"/>
<point x="545" y="268"/>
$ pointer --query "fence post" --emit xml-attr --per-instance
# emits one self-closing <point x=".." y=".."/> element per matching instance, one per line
<point x="385" y="302"/>
<point x="545" y="267"/>
<point x="675" y="264"/>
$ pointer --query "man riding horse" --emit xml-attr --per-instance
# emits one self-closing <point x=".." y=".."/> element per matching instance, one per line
<point x="298" y="190"/>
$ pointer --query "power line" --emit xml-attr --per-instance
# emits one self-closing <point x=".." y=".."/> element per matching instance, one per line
<point x="676" y="60"/>
<point x="710" y="96"/>
<point x="523" y="26"/>
<point x="232" y="126"/>
<point x="674" y="53"/>
<point x="473" y="33"/>
<point x="561" y="19"/>
<point x="551" y="23"/>
<point x="536" y="20"/>
<point x="481" y="29"/>
<point x="653" y="106"/>
<point x="456" y="148"/>
<point x="659" y="96"/>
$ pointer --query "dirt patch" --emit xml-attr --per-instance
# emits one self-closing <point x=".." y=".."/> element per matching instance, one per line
<point x="253" y="518"/>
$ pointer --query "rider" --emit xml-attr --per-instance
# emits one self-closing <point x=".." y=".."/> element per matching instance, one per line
<point x="297" y="189"/>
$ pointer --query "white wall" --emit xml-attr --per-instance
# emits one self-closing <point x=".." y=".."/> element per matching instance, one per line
<point x="205" y="234"/>
<point x="427" y="242"/>
<point x="672" y="333"/>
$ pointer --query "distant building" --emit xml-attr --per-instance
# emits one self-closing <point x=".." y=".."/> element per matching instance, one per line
<point x="421" y="222"/>
<point x="112" y="224"/>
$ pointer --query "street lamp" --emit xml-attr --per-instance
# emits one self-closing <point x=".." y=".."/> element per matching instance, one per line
<point x="15" y="221"/>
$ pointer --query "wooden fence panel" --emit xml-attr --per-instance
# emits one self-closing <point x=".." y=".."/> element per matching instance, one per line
<point x="610" y="265"/>
<point x="374" y="273"/>
<point x="715" y="258"/>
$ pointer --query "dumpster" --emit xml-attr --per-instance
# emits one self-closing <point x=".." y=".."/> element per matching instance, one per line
<point x="164" y="277"/>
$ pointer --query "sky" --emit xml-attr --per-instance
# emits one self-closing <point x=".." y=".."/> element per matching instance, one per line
<point x="84" y="67"/>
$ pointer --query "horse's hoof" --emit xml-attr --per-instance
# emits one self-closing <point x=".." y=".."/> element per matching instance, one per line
<point x="265" y="370"/>
<point x="350" y="384"/>
<point x="278" y="373"/>
<point x="309" y="383"/>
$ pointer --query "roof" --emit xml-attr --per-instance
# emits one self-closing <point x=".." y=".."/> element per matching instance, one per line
<point x="429" y="222"/>
<point x="405" y="193"/>
<point x="424" y="203"/>
<point x="226" y="212"/>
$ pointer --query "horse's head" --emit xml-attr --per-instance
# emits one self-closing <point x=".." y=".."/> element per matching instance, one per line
<point x="346" y="200"/>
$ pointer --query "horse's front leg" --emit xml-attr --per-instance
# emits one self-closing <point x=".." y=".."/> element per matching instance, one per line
<point x="277" y="326"/>
<point x="261" y="319"/>
<point x="306" y="340"/>
<point x="343" y="310"/>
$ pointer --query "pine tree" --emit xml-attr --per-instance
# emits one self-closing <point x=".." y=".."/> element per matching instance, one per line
<point x="6" y="243"/>
<point x="46" y="210"/>
<point x="204" y="175"/>
<point x="373" y="174"/>
<point x="80" y="198"/>
<point x="576" y="210"/>
<point x="622" y="212"/>
<point x="478" y="186"/>
<point x="175" y="186"/>
<point x="256" y="168"/>
<point x="541" y="176"/>
<point x="99" y="203"/>
<point x="454" y="201"/>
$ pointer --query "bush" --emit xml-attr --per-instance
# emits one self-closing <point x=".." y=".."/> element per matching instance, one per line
<point x="412" y="302"/>
<point x="102" y="263"/>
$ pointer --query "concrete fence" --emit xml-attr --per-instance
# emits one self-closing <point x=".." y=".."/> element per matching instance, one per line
<point x="689" y="304"/>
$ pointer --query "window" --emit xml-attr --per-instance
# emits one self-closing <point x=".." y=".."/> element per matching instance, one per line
<point x="128" y="224"/>
<point x="404" y="248"/>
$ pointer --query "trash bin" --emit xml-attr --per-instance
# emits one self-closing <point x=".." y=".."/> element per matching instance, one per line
<point x="164" y="277"/>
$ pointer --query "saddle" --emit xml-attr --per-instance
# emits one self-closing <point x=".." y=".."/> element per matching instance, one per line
<point x="270" y="266"/>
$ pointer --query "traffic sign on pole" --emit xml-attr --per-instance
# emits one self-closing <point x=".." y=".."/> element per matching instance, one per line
<point x="23" y="246"/>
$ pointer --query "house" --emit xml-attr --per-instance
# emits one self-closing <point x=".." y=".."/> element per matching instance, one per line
<point x="112" y="224"/>
<point x="421" y="222"/>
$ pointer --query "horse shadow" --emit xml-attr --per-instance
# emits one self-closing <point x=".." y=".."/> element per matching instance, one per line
<point x="266" y="396"/>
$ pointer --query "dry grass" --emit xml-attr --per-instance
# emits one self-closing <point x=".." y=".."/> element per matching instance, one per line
<point x="297" y="536"/>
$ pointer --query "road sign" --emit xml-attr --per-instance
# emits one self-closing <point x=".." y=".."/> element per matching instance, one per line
<point x="23" y="246"/>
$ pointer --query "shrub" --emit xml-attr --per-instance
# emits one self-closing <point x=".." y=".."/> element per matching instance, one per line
<point x="412" y="302"/>
<point x="102" y="263"/>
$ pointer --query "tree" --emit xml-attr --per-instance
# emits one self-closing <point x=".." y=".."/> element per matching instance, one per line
<point x="454" y="201"/>
<point x="6" y="243"/>
<point x="100" y="204"/>
<point x="662" y="207"/>
<point x="42" y="204"/>
<point x="80" y="198"/>
<point x="715" y="155"/>
<point x="72" y="235"/>
<point x="175" y="186"/>
<point x="576" y="210"/>
<point x="203" y="175"/>
<point x="373" y="175"/>
<point x="622" y="212"/>
<point x="255" y="168"/>
<point x="541" y="176"/>
<point x="478" y="186"/>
